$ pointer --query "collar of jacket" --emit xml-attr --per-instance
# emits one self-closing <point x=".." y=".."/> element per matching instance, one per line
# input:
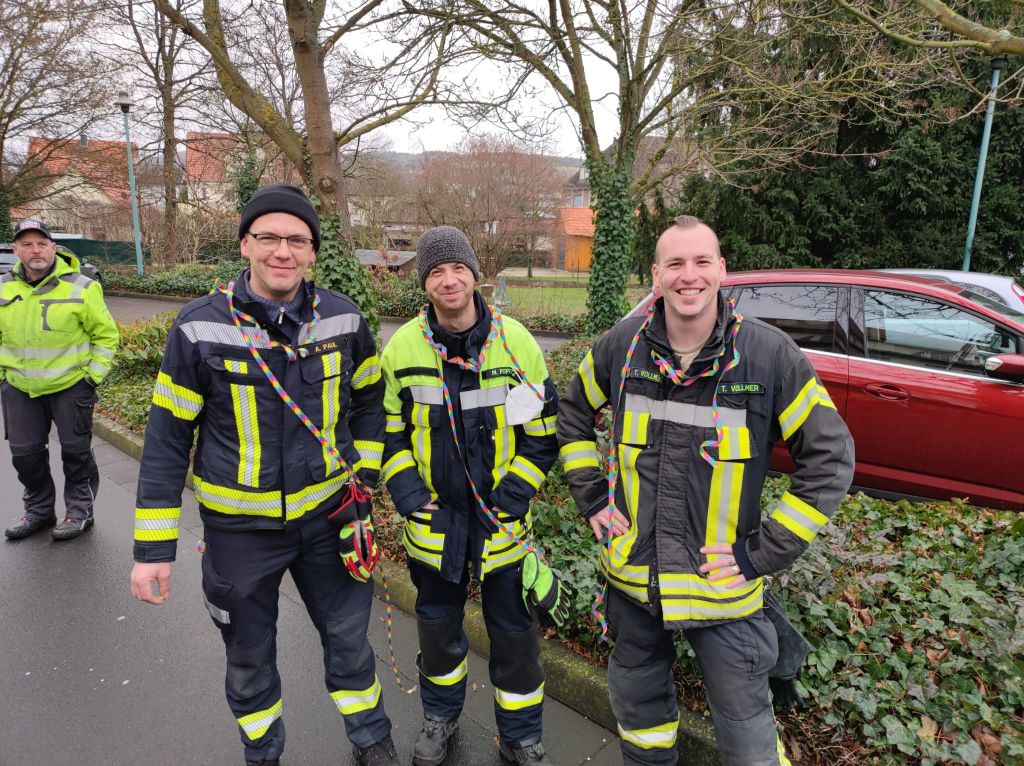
<point x="656" y="334"/>
<point x="467" y="343"/>
<point x="258" y="310"/>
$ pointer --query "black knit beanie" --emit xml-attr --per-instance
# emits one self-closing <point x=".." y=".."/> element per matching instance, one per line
<point x="444" y="244"/>
<point x="281" y="198"/>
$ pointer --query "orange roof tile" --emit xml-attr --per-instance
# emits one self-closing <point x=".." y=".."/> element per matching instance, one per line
<point x="578" y="221"/>
<point x="104" y="164"/>
<point x="205" y="155"/>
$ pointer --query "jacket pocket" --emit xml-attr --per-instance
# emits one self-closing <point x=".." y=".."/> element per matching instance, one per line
<point x="81" y="418"/>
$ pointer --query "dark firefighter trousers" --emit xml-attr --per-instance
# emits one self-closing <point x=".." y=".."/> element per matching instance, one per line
<point x="734" y="659"/>
<point x="514" y="667"/>
<point x="27" y="422"/>
<point x="242" y="573"/>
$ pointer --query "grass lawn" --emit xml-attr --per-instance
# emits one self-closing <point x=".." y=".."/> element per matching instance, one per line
<point x="567" y="301"/>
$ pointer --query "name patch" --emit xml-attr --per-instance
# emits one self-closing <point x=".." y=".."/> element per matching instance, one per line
<point x="741" y="388"/>
<point x="327" y="345"/>
<point x="646" y="375"/>
<point x="500" y="372"/>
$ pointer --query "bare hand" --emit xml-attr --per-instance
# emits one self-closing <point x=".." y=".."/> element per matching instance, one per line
<point x="143" y="577"/>
<point x="723" y="566"/>
<point x="431" y="506"/>
<point x="599" y="523"/>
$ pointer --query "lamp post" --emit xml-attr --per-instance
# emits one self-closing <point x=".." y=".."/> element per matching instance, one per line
<point x="997" y="65"/>
<point x="125" y="104"/>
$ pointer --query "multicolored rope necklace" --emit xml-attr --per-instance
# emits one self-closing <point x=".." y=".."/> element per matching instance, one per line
<point x="476" y="365"/>
<point x="679" y="378"/>
<point x="238" y="316"/>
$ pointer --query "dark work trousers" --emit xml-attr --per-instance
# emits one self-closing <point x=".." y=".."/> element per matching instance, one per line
<point x="734" y="658"/>
<point x="514" y="667"/>
<point x="242" y="574"/>
<point x="27" y="422"/>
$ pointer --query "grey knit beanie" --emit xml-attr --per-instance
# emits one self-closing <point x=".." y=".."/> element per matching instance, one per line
<point x="281" y="198"/>
<point x="444" y="244"/>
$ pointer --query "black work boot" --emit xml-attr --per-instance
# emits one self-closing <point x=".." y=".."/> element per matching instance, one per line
<point x="528" y="753"/>
<point x="29" y="525"/>
<point x="380" y="753"/>
<point x="432" y="744"/>
<point x="71" y="528"/>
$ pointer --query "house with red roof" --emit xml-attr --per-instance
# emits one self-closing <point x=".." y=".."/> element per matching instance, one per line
<point x="212" y="162"/>
<point x="574" y="239"/>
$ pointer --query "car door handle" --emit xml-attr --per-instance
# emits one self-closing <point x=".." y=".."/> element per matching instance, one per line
<point x="887" y="391"/>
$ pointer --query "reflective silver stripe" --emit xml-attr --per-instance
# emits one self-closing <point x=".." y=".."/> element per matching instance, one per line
<point x="78" y="280"/>
<point x="154" y="524"/>
<point x="229" y="335"/>
<point x="45" y="353"/>
<point x="48" y="372"/>
<point x="255" y="725"/>
<point x="369" y="372"/>
<point x="220" y="615"/>
<point x="685" y="414"/>
<point x="426" y="394"/>
<point x="330" y="327"/>
<point x="451" y="678"/>
<point x="483" y="397"/>
<point x="106" y="353"/>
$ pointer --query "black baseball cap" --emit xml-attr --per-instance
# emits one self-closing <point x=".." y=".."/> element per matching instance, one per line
<point x="31" y="224"/>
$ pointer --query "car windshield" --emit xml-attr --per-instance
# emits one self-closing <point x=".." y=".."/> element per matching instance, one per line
<point x="995" y="305"/>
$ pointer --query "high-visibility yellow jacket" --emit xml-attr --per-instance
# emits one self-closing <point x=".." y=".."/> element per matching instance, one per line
<point x="56" y="333"/>
<point x="256" y="465"/>
<point x="422" y="464"/>
<point x="675" y="501"/>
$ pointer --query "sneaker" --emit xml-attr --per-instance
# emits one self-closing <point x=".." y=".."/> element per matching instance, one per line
<point x="380" y="753"/>
<point x="71" y="528"/>
<point x="530" y="753"/>
<point x="29" y="525"/>
<point x="432" y="744"/>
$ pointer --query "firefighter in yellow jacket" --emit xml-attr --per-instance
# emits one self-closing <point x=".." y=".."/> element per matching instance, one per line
<point x="698" y="395"/>
<point x="57" y="343"/>
<point x="470" y="437"/>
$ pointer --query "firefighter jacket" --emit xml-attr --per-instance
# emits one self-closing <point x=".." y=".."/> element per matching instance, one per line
<point x="508" y="462"/>
<point x="674" y="500"/>
<point x="55" y="333"/>
<point x="256" y="466"/>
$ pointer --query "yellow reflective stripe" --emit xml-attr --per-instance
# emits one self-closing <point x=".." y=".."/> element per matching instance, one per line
<point x="355" y="701"/>
<point x="367" y="374"/>
<point x="811" y="395"/>
<point x="629" y="579"/>
<point x="238" y="502"/>
<point x="243" y="399"/>
<point x="675" y="609"/>
<point x="783" y="760"/>
<point x="419" y="438"/>
<point x="527" y="471"/>
<point x="236" y="365"/>
<point x="452" y="678"/>
<point x="397" y="463"/>
<point x="634" y="426"/>
<point x="499" y="551"/>
<point x="156" y="524"/>
<point x="591" y="389"/>
<point x="330" y="395"/>
<point x="800" y="518"/>
<point x="394" y="424"/>
<point x="512" y="701"/>
<point x="370" y="453"/>
<point x="504" y="446"/>
<point x="724" y="504"/>
<point x="735" y="444"/>
<point x="309" y="498"/>
<point x="178" y="400"/>
<point x="541" y="426"/>
<point x="576" y="455"/>
<point x="255" y="725"/>
<point x="687" y="584"/>
<point x="662" y="736"/>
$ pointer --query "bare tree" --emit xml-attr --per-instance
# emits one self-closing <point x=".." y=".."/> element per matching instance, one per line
<point x="500" y="195"/>
<point x="51" y="85"/>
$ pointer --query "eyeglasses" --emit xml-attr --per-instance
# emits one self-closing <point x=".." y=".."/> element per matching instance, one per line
<point x="270" y="242"/>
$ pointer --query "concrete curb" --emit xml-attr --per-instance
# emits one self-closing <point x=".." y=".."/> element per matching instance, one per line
<point x="571" y="679"/>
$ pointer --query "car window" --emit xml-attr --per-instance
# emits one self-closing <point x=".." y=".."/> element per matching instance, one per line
<point x="926" y="333"/>
<point x="807" y="313"/>
<point x="996" y="304"/>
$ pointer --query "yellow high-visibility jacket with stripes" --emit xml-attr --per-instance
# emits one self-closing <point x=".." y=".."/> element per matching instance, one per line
<point x="674" y="500"/>
<point x="56" y="333"/>
<point x="256" y="466"/>
<point x="422" y="465"/>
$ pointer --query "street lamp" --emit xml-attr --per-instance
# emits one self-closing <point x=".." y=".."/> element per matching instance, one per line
<point x="997" y="65"/>
<point x="125" y="104"/>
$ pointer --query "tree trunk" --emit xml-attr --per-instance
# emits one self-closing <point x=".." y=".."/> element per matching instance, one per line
<point x="170" y="249"/>
<point x="611" y="197"/>
<point x="324" y="170"/>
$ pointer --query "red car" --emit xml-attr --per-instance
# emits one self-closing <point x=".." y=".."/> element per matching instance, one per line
<point x="928" y="375"/>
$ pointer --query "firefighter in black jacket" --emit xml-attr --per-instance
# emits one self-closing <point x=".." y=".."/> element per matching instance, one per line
<point x="698" y="395"/>
<point x="266" y="484"/>
<point x="468" y="395"/>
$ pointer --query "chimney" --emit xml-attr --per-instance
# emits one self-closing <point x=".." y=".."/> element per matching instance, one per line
<point x="83" y="140"/>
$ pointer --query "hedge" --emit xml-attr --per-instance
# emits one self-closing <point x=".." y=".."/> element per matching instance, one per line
<point x="915" y="610"/>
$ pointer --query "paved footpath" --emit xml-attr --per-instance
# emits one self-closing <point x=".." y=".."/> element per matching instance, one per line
<point x="90" y="677"/>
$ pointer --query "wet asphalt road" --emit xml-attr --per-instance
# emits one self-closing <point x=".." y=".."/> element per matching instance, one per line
<point x="90" y="677"/>
<point x="130" y="309"/>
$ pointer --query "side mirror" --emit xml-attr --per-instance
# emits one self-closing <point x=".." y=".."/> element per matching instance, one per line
<point x="1006" y="367"/>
